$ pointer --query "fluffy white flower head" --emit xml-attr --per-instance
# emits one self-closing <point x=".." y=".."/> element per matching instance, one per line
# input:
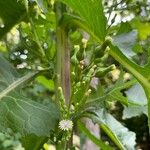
<point x="65" y="124"/>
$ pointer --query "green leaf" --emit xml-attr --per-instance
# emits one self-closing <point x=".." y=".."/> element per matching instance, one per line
<point x="89" y="9"/>
<point x="49" y="84"/>
<point x="11" y="13"/>
<point x="19" y="112"/>
<point x="137" y="48"/>
<point x="33" y="142"/>
<point x="142" y="27"/>
<point x="142" y="74"/>
<point x="113" y="94"/>
<point x="135" y="95"/>
<point x="42" y="4"/>
<point x="121" y="136"/>
<point x="125" y="42"/>
<point x="125" y="27"/>
<point x="93" y="138"/>
<point x="115" y="91"/>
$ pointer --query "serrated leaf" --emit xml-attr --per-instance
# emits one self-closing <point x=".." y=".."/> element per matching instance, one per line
<point x="120" y="135"/>
<point x="20" y="113"/>
<point x="113" y="94"/>
<point x="140" y="73"/>
<point x="11" y="13"/>
<point x="88" y="9"/>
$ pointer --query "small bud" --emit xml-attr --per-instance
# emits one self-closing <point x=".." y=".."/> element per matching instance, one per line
<point x="107" y="50"/>
<point x="94" y="66"/>
<point x="81" y="67"/>
<point x="103" y="71"/>
<point x="77" y="104"/>
<point x="73" y="73"/>
<point x="113" y="67"/>
<point x="74" y="60"/>
<point x="60" y="89"/>
<point x="84" y="41"/>
<point x="78" y="84"/>
<point x="76" y="47"/>
<point x="115" y="74"/>
<point x="88" y="92"/>
<point x="108" y="39"/>
<point x="126" y="76"/>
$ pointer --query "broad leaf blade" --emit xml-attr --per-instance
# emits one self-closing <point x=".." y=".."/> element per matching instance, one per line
<point x="91" y="12"/>
<point x="20" y="113"/>
<point x="11" y="12"/>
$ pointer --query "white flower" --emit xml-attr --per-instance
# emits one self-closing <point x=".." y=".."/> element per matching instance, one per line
<point x="65" y="125"/>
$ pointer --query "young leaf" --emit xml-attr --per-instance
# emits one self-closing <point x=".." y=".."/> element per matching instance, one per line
<point x="20" y="113"/>
<point x="89" y="9"/>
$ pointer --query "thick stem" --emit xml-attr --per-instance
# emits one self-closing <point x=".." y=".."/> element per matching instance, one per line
<point x="63" y="56"/>
<point x="62" y="62"/>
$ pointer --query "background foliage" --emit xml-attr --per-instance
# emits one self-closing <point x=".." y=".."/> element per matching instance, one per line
<point x="108" y="76"/>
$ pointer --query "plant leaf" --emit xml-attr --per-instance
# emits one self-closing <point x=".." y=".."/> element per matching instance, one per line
<point x="142" y="27"/>
<point x="136" y="95"/>
<point x="33" y="142"/>
<point x="20" y="113"/>
<point x="125" y="42"/>
<point x="88" y="9"/>
<point x="97" y="141"/>
<point x="125" y="27"/>
<point x="121" y="136"/>
<point x="11" y="13"/>
<point x="140" y="73"/>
